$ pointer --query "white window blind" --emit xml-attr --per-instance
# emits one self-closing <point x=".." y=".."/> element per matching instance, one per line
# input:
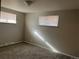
<point x="48" y="20"/>
<point x="7" y="17"/>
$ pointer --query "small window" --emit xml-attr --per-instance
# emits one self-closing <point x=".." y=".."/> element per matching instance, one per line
<point x="7" y="17"/>
<point x="49" y="20"/>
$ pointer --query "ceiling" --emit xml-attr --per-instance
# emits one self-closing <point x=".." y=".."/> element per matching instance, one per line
<point x="40" y="5"/>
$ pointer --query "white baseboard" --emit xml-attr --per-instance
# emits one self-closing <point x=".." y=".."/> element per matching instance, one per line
<point x="6" y="44"/>
<point x="37" y="45"/>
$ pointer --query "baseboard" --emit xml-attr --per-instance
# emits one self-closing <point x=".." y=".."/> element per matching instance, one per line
<point x="6" y="44"/>
<point x="37" y="45"/>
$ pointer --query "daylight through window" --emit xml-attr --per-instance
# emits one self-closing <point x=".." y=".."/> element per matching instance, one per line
<point x="7" y="17"/>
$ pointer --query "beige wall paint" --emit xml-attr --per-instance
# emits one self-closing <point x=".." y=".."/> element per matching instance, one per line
<point x="11" y="33"/>
<point x="77" y="52"/>
<point x="64" y="38"/>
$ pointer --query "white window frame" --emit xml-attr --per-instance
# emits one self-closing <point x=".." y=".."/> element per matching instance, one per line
<point x="6" y="17"/>
<point x="49" y="20"/>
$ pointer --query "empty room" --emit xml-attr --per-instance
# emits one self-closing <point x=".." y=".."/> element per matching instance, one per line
<point x="39" y="29"/>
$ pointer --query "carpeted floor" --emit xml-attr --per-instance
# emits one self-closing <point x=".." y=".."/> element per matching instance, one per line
<point x="27" y="51"/>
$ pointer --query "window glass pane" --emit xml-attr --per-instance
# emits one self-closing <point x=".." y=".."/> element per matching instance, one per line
<point x="11" y="21"/>
<point x="7" y="17"/>
<point x="48" y="20"/>
<point x="3" y="20"/>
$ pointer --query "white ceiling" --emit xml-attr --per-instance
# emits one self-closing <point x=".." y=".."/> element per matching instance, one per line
<point x="40" y="5"/>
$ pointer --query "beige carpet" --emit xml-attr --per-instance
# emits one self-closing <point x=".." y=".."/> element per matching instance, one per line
<point x="27" y="51"/>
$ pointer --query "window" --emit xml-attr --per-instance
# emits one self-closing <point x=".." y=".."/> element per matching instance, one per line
<point x="7" y="17"/>
<point x="48" y="20"/>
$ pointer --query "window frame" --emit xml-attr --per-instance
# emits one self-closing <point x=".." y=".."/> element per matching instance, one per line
<point x="9" y="18"/>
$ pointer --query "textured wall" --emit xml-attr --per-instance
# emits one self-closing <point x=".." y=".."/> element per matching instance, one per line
<point x="64" y="38"/>
<point x="11" y="33"/>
